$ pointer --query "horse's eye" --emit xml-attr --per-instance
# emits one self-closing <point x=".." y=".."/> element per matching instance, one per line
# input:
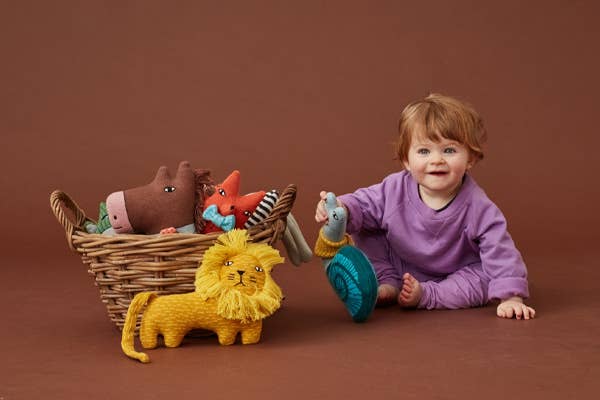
<point x="228" y="263"/>
<point x="169" y="189"/>
<point x="222" y="192"/>
<point x="258" y="269"/>
<point x="247" y="213"/>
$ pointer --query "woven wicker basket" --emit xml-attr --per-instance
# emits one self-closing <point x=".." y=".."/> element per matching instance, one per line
<point x="124" y="265"/>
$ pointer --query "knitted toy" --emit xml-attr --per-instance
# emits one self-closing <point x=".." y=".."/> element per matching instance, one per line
<point x="234" y="293"/>
<point x="348" y="269"/>
<point x="297" y="249"/>
<point x="166" y="202"/>
<point x="103" y="221"/>
<point x="227" y="204"/>
<point x="263" y="209"/>
<point x="295" y="244"/>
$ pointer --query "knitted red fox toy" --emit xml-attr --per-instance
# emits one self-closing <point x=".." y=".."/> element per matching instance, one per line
<point x="229" y="208"/>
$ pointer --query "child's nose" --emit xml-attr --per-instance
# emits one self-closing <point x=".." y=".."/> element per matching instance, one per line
<point x="438" y="158"/>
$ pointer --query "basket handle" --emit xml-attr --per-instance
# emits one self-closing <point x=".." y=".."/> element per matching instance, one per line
<point x="58" y="200"/>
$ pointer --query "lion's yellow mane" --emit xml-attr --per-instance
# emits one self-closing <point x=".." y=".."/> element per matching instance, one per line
<point x="233" y="304"/>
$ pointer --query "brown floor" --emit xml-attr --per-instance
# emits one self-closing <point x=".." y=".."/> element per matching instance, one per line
<point x="56" y="342"/>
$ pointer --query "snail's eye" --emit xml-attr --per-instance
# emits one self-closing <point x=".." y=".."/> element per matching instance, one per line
<point x="169" y="189"/>
<point x="228" y="263"/>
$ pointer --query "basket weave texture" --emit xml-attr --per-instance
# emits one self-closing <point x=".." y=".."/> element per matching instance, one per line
<point x="124" y="265"/>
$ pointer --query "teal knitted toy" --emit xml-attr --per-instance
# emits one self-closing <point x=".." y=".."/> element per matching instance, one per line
<point x="349" y="271"/>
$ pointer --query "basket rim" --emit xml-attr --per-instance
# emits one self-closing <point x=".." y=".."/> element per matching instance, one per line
<point x="79" y="239"/>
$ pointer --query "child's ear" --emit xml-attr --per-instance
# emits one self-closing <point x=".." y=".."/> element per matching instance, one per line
<point x="406" y="166"/>
<point x="472" y="161"/>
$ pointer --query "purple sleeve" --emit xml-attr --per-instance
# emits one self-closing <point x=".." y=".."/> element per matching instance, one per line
<point x="365" y="208"/>
<point x="500" y="259"/>
<point x="365" y="215"/>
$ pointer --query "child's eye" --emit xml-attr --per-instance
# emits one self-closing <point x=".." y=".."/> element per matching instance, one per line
<point x="449" y="150"/>
<point x="423" y="151"/>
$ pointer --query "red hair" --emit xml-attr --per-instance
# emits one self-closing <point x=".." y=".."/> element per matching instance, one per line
<point x="436" y="117"/>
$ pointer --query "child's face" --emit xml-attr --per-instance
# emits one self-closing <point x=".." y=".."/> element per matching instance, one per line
<point x="438" y="167"/>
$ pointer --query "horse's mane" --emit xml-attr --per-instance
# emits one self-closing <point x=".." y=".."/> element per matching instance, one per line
<point x="205" y="187"/>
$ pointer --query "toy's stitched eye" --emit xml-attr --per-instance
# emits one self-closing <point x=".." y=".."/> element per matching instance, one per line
<point x="222" y="192"/>
<point x="258" y="269"/>
<point x="228" y="263"/>
<point x="247" y="213"/>
<point x="169" y="189"/>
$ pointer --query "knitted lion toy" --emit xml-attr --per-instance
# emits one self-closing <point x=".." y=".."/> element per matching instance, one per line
<point x="234" y="293"/>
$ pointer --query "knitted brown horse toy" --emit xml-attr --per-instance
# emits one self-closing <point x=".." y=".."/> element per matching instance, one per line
<point x="166" y="202"/>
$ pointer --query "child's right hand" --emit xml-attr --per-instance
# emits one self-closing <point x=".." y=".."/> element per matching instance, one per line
<point x="321" y="214"/>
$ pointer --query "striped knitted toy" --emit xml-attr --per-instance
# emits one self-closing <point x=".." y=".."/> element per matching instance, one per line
<point x="263" y="209"/>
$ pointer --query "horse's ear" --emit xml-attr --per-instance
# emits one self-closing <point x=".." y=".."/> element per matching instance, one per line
<point x="184" y="165"/>
<point x="162" y="174"/>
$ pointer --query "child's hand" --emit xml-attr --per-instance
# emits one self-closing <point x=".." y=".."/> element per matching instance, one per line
<point x="321" y="212"/>
<point x="514" y="307"/>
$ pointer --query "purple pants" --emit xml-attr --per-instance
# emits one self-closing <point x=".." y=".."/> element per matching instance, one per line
<point x="465" y="288"/>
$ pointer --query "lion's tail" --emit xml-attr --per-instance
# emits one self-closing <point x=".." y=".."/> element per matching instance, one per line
<point x="138" y="302"/>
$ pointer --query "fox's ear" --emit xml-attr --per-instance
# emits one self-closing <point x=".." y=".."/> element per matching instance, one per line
<point x="232" y="184"/>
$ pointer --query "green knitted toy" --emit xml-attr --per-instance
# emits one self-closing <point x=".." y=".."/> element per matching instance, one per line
<point x="103" y="221"/>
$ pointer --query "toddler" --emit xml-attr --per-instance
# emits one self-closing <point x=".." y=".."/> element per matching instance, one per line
<point x="433" y="237"/>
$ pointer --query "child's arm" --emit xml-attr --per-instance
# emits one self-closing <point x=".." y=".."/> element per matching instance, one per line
<point x="367" y="207"/>
<point x="503" y="263"/>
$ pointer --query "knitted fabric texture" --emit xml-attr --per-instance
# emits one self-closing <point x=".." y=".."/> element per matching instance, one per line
<point x="234" y="293"/>
<point x="352" y="277"/>
<point x="230" y="202"/>
<point x="175" y="315"/>
<point x="326" y="248"/>
<point x="263" y="210"/>
<point x="103" y="220"/>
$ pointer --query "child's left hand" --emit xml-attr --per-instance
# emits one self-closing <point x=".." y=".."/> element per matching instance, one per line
<point x="514" y="307"/>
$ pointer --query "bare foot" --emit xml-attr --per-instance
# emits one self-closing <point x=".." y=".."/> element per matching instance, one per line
<point x="411" y="291"/>
<point x="386" y="295"/>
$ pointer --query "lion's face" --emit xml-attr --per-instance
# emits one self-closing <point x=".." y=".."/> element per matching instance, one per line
<point x="243" y="273"/>
<point x="237" y="274"/>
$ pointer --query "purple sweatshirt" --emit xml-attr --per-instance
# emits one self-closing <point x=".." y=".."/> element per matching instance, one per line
<point x="432" y="245"/>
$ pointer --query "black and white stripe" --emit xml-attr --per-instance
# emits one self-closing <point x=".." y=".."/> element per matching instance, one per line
<point x="263" y="209"/>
